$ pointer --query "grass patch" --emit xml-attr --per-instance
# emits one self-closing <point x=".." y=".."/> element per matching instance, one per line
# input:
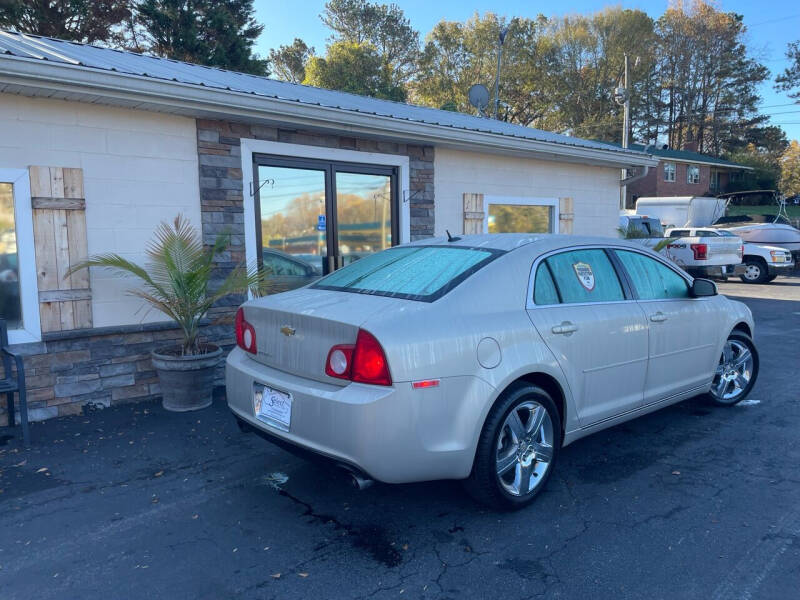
<point x="793" y="210"/>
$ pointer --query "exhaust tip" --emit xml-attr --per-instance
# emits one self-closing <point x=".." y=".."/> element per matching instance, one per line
<point x="360" y="483"/>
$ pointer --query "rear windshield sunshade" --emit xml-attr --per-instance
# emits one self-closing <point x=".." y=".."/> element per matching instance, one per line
<point x="423" y="273"/>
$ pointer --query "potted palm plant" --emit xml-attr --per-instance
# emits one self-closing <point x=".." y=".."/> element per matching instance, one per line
<point x="177" y="281"/>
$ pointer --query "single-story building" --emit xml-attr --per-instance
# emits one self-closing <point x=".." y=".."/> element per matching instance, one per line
<point x="99" y="146"/>
<point x="683" y="173"/>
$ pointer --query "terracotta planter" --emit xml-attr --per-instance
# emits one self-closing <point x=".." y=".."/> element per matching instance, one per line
<point x="187" y="382"/>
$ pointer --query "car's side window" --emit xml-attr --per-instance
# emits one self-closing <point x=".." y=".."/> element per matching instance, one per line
<point x="652" y="280"/>
<point x="585" y="276"/>
<point x="679" y="233"/>
<point x="544" y="289"/>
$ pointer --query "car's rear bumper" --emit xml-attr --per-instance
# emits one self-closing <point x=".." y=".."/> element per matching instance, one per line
<point x="717" y="271"/>
<point x="393" y="434"/>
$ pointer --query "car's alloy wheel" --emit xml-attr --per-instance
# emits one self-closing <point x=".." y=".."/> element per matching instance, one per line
<point x="524" y="448"/>
<point x="517" y="449"/>
<point x="755" y="272"/>
<point x="736" y="372"/>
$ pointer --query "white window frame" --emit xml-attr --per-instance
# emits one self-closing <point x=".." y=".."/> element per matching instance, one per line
<point x="673" y="171"/>
<point x="31" y="330"/>
<point x="521" y="201"/>
<point x="689" y="179"/>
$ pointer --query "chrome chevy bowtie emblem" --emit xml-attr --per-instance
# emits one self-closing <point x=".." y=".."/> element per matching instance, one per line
<point x="287" y="331"/>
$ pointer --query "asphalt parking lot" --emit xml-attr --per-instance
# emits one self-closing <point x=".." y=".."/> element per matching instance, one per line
<point x="689" y="502"/>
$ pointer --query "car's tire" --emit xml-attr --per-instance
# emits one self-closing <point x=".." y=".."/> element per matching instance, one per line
<point x="755" y="270"/>
<point x="771" y="278"/>
<point x="737" y="371"/>
<point x="527" y="444"/>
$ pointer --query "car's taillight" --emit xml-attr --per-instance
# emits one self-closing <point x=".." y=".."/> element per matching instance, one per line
<point x="700" y="251"/>
<point x="340" y="361"/>
<point x="741" y="251"/>
<point x="364" y="362"/>
<point x="245" y="333"/>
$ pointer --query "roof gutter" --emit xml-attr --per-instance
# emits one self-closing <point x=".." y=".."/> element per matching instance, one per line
<point x="135" y="91"/>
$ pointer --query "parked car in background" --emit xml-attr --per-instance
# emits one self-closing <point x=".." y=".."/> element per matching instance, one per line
<point x="760" y="264"/>
<point x="480" y="357"/>
<point x="632" y="225"/>
<point x="782" y="235"/>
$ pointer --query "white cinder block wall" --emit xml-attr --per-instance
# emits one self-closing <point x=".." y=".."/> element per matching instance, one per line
<point x="595" y="190"/>
<point x="139" y="168"/>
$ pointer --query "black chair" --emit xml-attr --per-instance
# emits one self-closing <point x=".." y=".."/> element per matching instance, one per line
<point x="10" y="385"/>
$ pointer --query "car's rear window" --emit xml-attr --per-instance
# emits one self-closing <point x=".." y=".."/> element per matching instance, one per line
<point x="423" y="273"/>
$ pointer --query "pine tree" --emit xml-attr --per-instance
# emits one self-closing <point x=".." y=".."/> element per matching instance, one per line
<point x="206" y="32"/>
<point x="88" y="21"/>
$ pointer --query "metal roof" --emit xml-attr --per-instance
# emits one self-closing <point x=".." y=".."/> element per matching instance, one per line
<point x="687" y="156"/>
<point x="16" y="45"/>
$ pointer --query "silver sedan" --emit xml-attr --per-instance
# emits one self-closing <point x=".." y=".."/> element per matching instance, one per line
<point x="480" y="357"/>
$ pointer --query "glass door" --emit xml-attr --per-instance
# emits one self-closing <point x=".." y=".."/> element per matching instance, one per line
<point x="316" y="216"/>
<point x="363" y="215"/>
<point x="291" y="219"/>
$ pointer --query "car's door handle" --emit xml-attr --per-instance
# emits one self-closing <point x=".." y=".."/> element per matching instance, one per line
<point x="565" y="328"/>
<point x="658" y="317"/>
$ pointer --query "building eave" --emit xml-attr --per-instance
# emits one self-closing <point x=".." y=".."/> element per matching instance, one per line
<point x="687" y="161"/>
<point x="39" y="78"/>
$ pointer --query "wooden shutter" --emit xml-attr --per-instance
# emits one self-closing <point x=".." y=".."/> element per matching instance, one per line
<point x="566" y="215"/>
<point x="59" y="231"/>
<point x="473" y="213"/>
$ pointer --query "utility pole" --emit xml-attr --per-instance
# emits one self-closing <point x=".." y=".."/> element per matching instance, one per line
<point x="500" y="38"/>
<point x="626" y="112"/>
<point x="627" y="107"/>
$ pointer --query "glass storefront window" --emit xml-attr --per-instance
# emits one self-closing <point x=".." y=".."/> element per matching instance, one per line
<point x="10" y="302"/>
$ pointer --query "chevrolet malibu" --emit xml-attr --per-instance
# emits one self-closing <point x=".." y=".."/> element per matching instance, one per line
<point x="480" y="357"/>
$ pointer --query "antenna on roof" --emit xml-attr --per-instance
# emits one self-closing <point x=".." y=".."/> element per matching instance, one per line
<point x="450" y="238"/>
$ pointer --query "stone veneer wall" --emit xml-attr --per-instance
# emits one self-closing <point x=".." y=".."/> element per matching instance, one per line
<point x="104" y="366"/>
<point x="101" y="366"/>
<point x="222" y="190"/>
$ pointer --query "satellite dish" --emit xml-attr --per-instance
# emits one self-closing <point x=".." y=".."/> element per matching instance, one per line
<point x="478" y="97"/>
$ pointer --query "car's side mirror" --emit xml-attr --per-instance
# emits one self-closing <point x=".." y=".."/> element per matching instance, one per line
<point x="703" y="287"/>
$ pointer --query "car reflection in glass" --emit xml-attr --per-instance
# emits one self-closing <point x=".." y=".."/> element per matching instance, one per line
<point x="290" y="271"/>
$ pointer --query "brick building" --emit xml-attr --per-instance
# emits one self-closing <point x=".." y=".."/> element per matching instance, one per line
<point x="100" y="146"/>
<point x="684" y="173"/>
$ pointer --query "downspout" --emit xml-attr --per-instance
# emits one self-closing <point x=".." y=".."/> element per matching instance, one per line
<point x="628" y="180"/>
<point x="637" y="177"/>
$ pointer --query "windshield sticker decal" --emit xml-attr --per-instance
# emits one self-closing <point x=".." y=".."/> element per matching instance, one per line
<point x="585" y="275"/>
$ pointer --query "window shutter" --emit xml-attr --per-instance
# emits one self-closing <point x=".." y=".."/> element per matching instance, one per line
<point x="566" y="215"/>
<point x="59" y="231"/>
<point x="473" y="213"/>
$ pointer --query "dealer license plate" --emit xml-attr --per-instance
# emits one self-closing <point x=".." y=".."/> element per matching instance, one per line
<point x="272" y="407"/>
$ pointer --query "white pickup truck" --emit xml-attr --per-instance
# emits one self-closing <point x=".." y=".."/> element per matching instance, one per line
<point x="700" y="255"/>
<point x="761" y="264"/>
<point x="705" y="252"/>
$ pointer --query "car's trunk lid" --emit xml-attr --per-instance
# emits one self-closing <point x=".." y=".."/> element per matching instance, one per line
<point x="296" y="330"/>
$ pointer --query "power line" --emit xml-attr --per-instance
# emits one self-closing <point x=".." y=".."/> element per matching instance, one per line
<point x="776" y="20"/>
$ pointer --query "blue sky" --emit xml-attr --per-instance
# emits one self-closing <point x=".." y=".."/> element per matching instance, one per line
<point x="771" y="25"/>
